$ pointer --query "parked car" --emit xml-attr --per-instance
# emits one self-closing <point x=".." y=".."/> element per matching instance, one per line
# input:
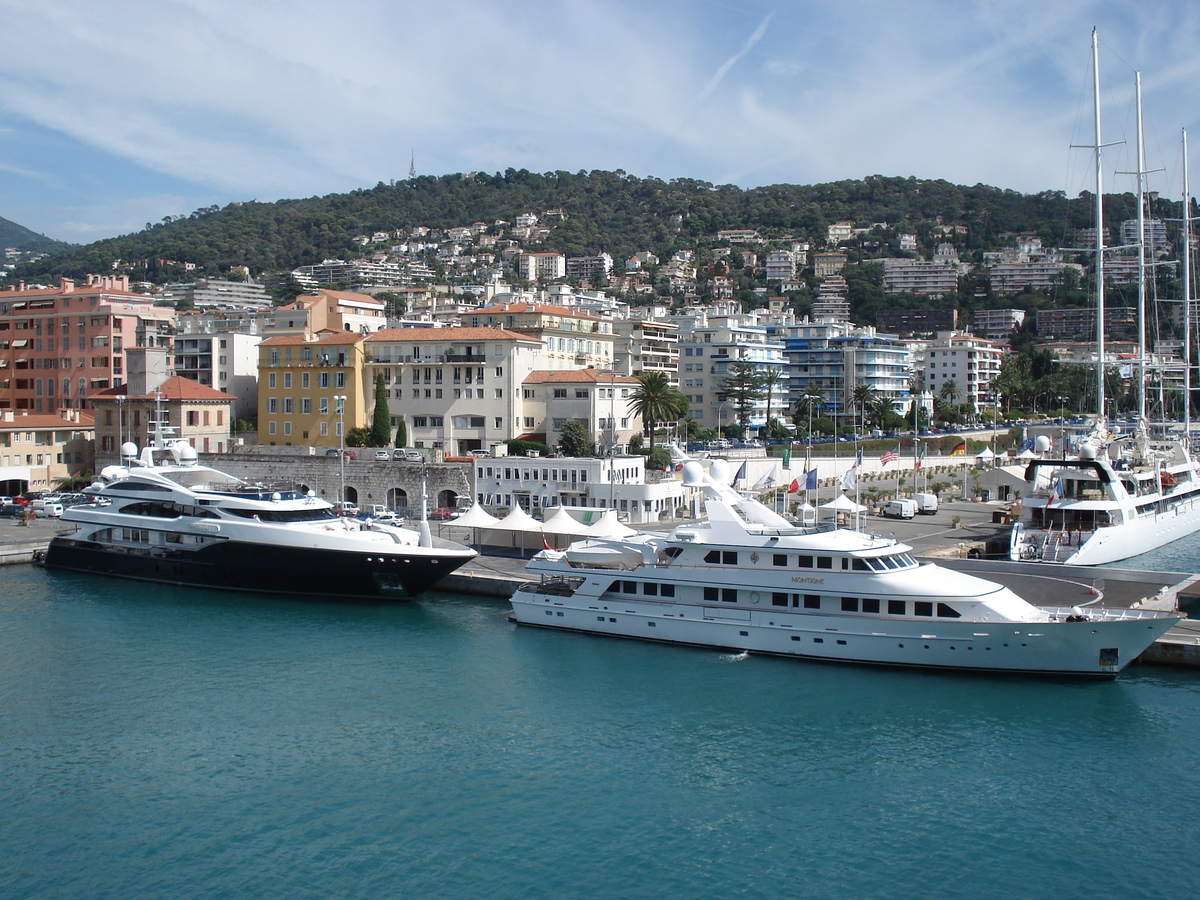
<point x="413" y="456"/>
<point x="443" y="514"/>
<point x="382" y="455"/>
<point x="7" y="501"/>
<point x="333" y="452"/>
<point x="12" y="511"/>
<point x="398" y="453"/>
<point x="480" y="454"/>
<point x="345" y="508"/>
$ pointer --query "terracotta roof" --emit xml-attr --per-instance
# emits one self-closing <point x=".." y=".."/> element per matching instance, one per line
<point x="20" y="422"/>
<point x="444" y="335"/>
<point x="337" y="338"/>
<point x="344" y="295"/>
<point x="577" y="376"/>
<point x="544" y="308"/>
<point x="176" y="388"/>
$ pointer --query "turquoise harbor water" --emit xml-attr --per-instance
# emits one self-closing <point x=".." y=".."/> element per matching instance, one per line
<point x="177" y="743"/>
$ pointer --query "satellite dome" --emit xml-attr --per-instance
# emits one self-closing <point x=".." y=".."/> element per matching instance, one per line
<point x="720" y="470"/>
<point x="129" y="450"/>
<point x="1042" y="443"/>
<point x="693" y="474"/>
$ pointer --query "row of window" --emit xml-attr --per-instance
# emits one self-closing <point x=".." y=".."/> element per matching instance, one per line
<point x="873" y="605"/>
<point x="812" y="561"/>
<point x="323" y="380"/>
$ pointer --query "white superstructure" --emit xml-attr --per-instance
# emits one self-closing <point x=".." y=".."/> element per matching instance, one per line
<point x="746" y="579"/>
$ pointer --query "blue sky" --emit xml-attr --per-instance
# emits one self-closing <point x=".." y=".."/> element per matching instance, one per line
<point x="118" y="112"/>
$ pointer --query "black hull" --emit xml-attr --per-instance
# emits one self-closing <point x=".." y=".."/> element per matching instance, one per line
<point x="238" y="566"/>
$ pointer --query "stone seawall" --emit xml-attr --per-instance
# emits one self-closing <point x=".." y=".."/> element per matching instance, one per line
<point x="391" y="483"/>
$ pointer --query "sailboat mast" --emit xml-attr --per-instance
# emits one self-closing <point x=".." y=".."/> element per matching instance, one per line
<point x="1099" y="148"/>
<point x="1141" y="245"/>
<point x="1187" y="300"/>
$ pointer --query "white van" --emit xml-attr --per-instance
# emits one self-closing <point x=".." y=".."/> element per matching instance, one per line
<point x="46" y="509"/>
<point x="900" y="509"/>
<point x="926" y="503"/>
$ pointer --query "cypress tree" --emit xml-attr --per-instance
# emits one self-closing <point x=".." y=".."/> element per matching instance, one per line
<point x="402" y="434"/>
<point x="381" y="424"/>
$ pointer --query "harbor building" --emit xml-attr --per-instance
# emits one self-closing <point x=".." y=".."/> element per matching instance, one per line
<point x="60" y="346"/>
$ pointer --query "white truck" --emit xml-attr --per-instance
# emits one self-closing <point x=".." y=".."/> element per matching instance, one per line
<point x="926" y="503"/>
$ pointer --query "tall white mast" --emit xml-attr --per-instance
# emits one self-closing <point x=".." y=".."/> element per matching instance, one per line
<point x="1141" y="245"/>
<point x="1099" y="148"/>
<point x="1187" y="300"/>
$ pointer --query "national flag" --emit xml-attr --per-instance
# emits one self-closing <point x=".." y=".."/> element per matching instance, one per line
<point x="794" y="487"/>
<point x="850" y="479"/>
<point x="1126" y="371"/>
<point x="765" y="482"/>
<point x="810" y="480"/>
<point x="545" y="543"/>
<point x="889" y="456"/>
<point x="960" y="449"/>
<point x="787" y="458"/>
<point x="1056" y="492"/>
<point x="741" y="474"/>
<point x="920" y="455"/>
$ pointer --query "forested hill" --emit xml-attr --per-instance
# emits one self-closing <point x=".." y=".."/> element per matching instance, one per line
<point x="600" y="211"/>
<point x="21" y="238"/>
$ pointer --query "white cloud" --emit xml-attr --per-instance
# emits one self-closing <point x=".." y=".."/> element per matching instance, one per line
<point x="267" y="99"/>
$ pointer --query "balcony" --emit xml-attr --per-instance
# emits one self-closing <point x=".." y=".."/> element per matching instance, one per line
<point x="469" y="358"/>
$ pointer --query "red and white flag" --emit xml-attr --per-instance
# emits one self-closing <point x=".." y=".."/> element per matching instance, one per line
<point x="794" y="487"/>
<point x="889" y="456"/>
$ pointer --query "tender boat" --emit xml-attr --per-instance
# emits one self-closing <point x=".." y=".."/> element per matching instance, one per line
<point x="746" y="579"/>
<point x="163" y="517"/>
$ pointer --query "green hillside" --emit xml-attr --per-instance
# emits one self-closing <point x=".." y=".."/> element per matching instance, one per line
<point x="21" y="238"/>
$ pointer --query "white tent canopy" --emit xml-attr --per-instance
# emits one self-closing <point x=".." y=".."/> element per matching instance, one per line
<point x="843" y="504"/>
<point x="475" y="517"/>
<point x="517" y="520"/>
<point x="562" y="522"/>
<point x="608" y="526"/>
<point x="985" y="453"/>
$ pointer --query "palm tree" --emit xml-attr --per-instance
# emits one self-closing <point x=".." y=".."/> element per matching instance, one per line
<point x="949" y="390"/>
<point x="656" y="400"/>
<point x="809" y="400"/>
<point x="770" y="380"/>
<point x="864" y="397"/>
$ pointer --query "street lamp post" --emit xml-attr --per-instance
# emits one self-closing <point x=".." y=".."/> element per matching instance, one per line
<point x="339" y="401"/>
<point x="1062" y="424"/>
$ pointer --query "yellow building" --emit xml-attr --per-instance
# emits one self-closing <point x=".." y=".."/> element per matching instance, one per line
<point x="37" y="450"/>
<point x="299" y="381"/>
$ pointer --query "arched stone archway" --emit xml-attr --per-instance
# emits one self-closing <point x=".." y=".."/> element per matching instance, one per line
<point x="447" y="499"/>
<point x="397" y="499"/>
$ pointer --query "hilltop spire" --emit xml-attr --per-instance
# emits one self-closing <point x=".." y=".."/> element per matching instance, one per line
<point x="412" y="166"/>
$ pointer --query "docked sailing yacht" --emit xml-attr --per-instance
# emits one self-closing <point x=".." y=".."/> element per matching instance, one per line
<point x="163" y="517"/>
<point x="1120" y="495"/>
<point x="747" y="579"/>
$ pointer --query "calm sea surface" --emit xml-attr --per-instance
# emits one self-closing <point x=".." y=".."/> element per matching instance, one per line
<point x="175" y="743"/>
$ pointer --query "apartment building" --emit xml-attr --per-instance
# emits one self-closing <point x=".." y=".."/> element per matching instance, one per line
<point x="60" y="346"/>
<point x="835" y="357"/>
<point x="573" y="339"/>
<point x="998" y="324"/>
<point x="457" y="389"/>
<point x="972" y="363"/>
<point x="299" y="378"/>
<point x="710" y="340"/>
<point x="226" y="361"/>
<point x="37" y="450"/>
<point x="179" y="408"/>
<point x="916" y="276"/>
<point x="644" y="343"/>
<point x="542" y="266"/>
<point x="590" y="267"/>
<point x="602" y="400"/>
<point x="326" y="310"/>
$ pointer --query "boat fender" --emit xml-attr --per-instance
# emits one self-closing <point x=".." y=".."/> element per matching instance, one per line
<point x="755" y="597"/>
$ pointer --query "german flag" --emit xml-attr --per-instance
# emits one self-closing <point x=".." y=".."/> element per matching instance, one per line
<point x="960" y="449"/>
